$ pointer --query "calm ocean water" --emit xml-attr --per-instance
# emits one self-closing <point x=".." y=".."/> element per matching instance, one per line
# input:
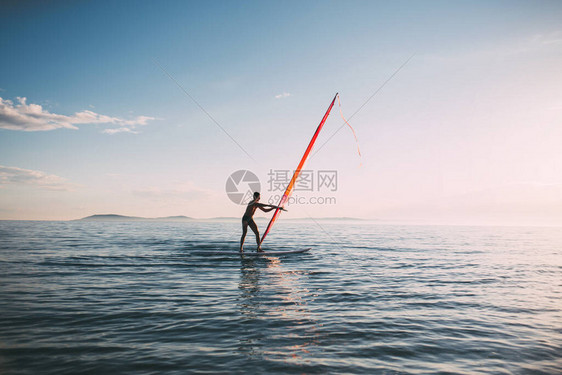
<point x="140" y="298"/>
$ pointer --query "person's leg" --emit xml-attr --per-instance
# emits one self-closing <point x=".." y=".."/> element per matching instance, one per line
<point x="244" y="230"/>
<point x="256" y="232"/>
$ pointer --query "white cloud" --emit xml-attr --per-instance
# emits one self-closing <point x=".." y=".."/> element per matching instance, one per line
<point x="32" y="117"/>
<point x="188" y="192"/>
<point x="509" y="48"/>
<point x="27" y="177"/>
<point x="283" y="95"/>
<point x="119" y="130"/>
<point x="549" y="38"/>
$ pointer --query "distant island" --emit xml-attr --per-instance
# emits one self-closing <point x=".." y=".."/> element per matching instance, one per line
<point x="114" y="217"/>
<point x="181" y="218"/>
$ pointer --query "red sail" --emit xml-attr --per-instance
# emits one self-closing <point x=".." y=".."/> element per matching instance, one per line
<point x="289" y="189"/>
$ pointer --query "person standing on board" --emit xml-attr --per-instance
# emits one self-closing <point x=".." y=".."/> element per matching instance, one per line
<point x="248" y="219"/>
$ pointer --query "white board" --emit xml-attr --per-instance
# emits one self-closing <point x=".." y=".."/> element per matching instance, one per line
<point x="254" y="253"/>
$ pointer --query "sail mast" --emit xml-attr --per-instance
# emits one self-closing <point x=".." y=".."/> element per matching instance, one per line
<point x="290" y="187"/>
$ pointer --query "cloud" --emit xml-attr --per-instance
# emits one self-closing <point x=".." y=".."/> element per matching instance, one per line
<point x="283" y="95"/>
<point x="508" y="49"/>
<point x="27" y="177"/>
<point x="549" y="38"/>
<point x="32" y="117"/>
<point x="119" y="130"/>
<point x="181" y="192"/>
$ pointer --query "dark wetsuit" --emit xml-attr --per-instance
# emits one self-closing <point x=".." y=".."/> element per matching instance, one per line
<point x="248" y="220"/>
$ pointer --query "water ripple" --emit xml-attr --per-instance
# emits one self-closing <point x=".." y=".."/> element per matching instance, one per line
<point x="143" y="298"/>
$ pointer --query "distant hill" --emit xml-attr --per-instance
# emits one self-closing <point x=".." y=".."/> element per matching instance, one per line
<point x="110" y="217"/>
<point x="114" y="217"/>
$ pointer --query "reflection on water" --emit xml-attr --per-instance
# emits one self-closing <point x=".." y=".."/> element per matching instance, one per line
<point x="272" y="296"/>
<point x="249" y="288"/>
<point x="248" y="305"/>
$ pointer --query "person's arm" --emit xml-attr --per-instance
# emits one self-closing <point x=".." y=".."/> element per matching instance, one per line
<point x="269" y="207"/>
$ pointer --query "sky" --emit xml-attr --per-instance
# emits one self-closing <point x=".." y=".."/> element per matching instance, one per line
<point x="146" y="108"/>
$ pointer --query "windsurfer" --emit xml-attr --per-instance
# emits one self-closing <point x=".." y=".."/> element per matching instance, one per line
<point x="248" y="219"/>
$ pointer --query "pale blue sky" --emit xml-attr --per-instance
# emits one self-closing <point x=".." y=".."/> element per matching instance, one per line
<point x="467" y="131"/>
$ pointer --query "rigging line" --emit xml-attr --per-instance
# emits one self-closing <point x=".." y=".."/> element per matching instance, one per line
<point x="335" y="242"/>
<point x="203" y="109"/>
<point x="352" y="130"/>
<point x="363" y="105"/>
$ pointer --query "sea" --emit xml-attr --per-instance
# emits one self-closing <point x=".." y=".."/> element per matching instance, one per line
<point x="149" y="298"/>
